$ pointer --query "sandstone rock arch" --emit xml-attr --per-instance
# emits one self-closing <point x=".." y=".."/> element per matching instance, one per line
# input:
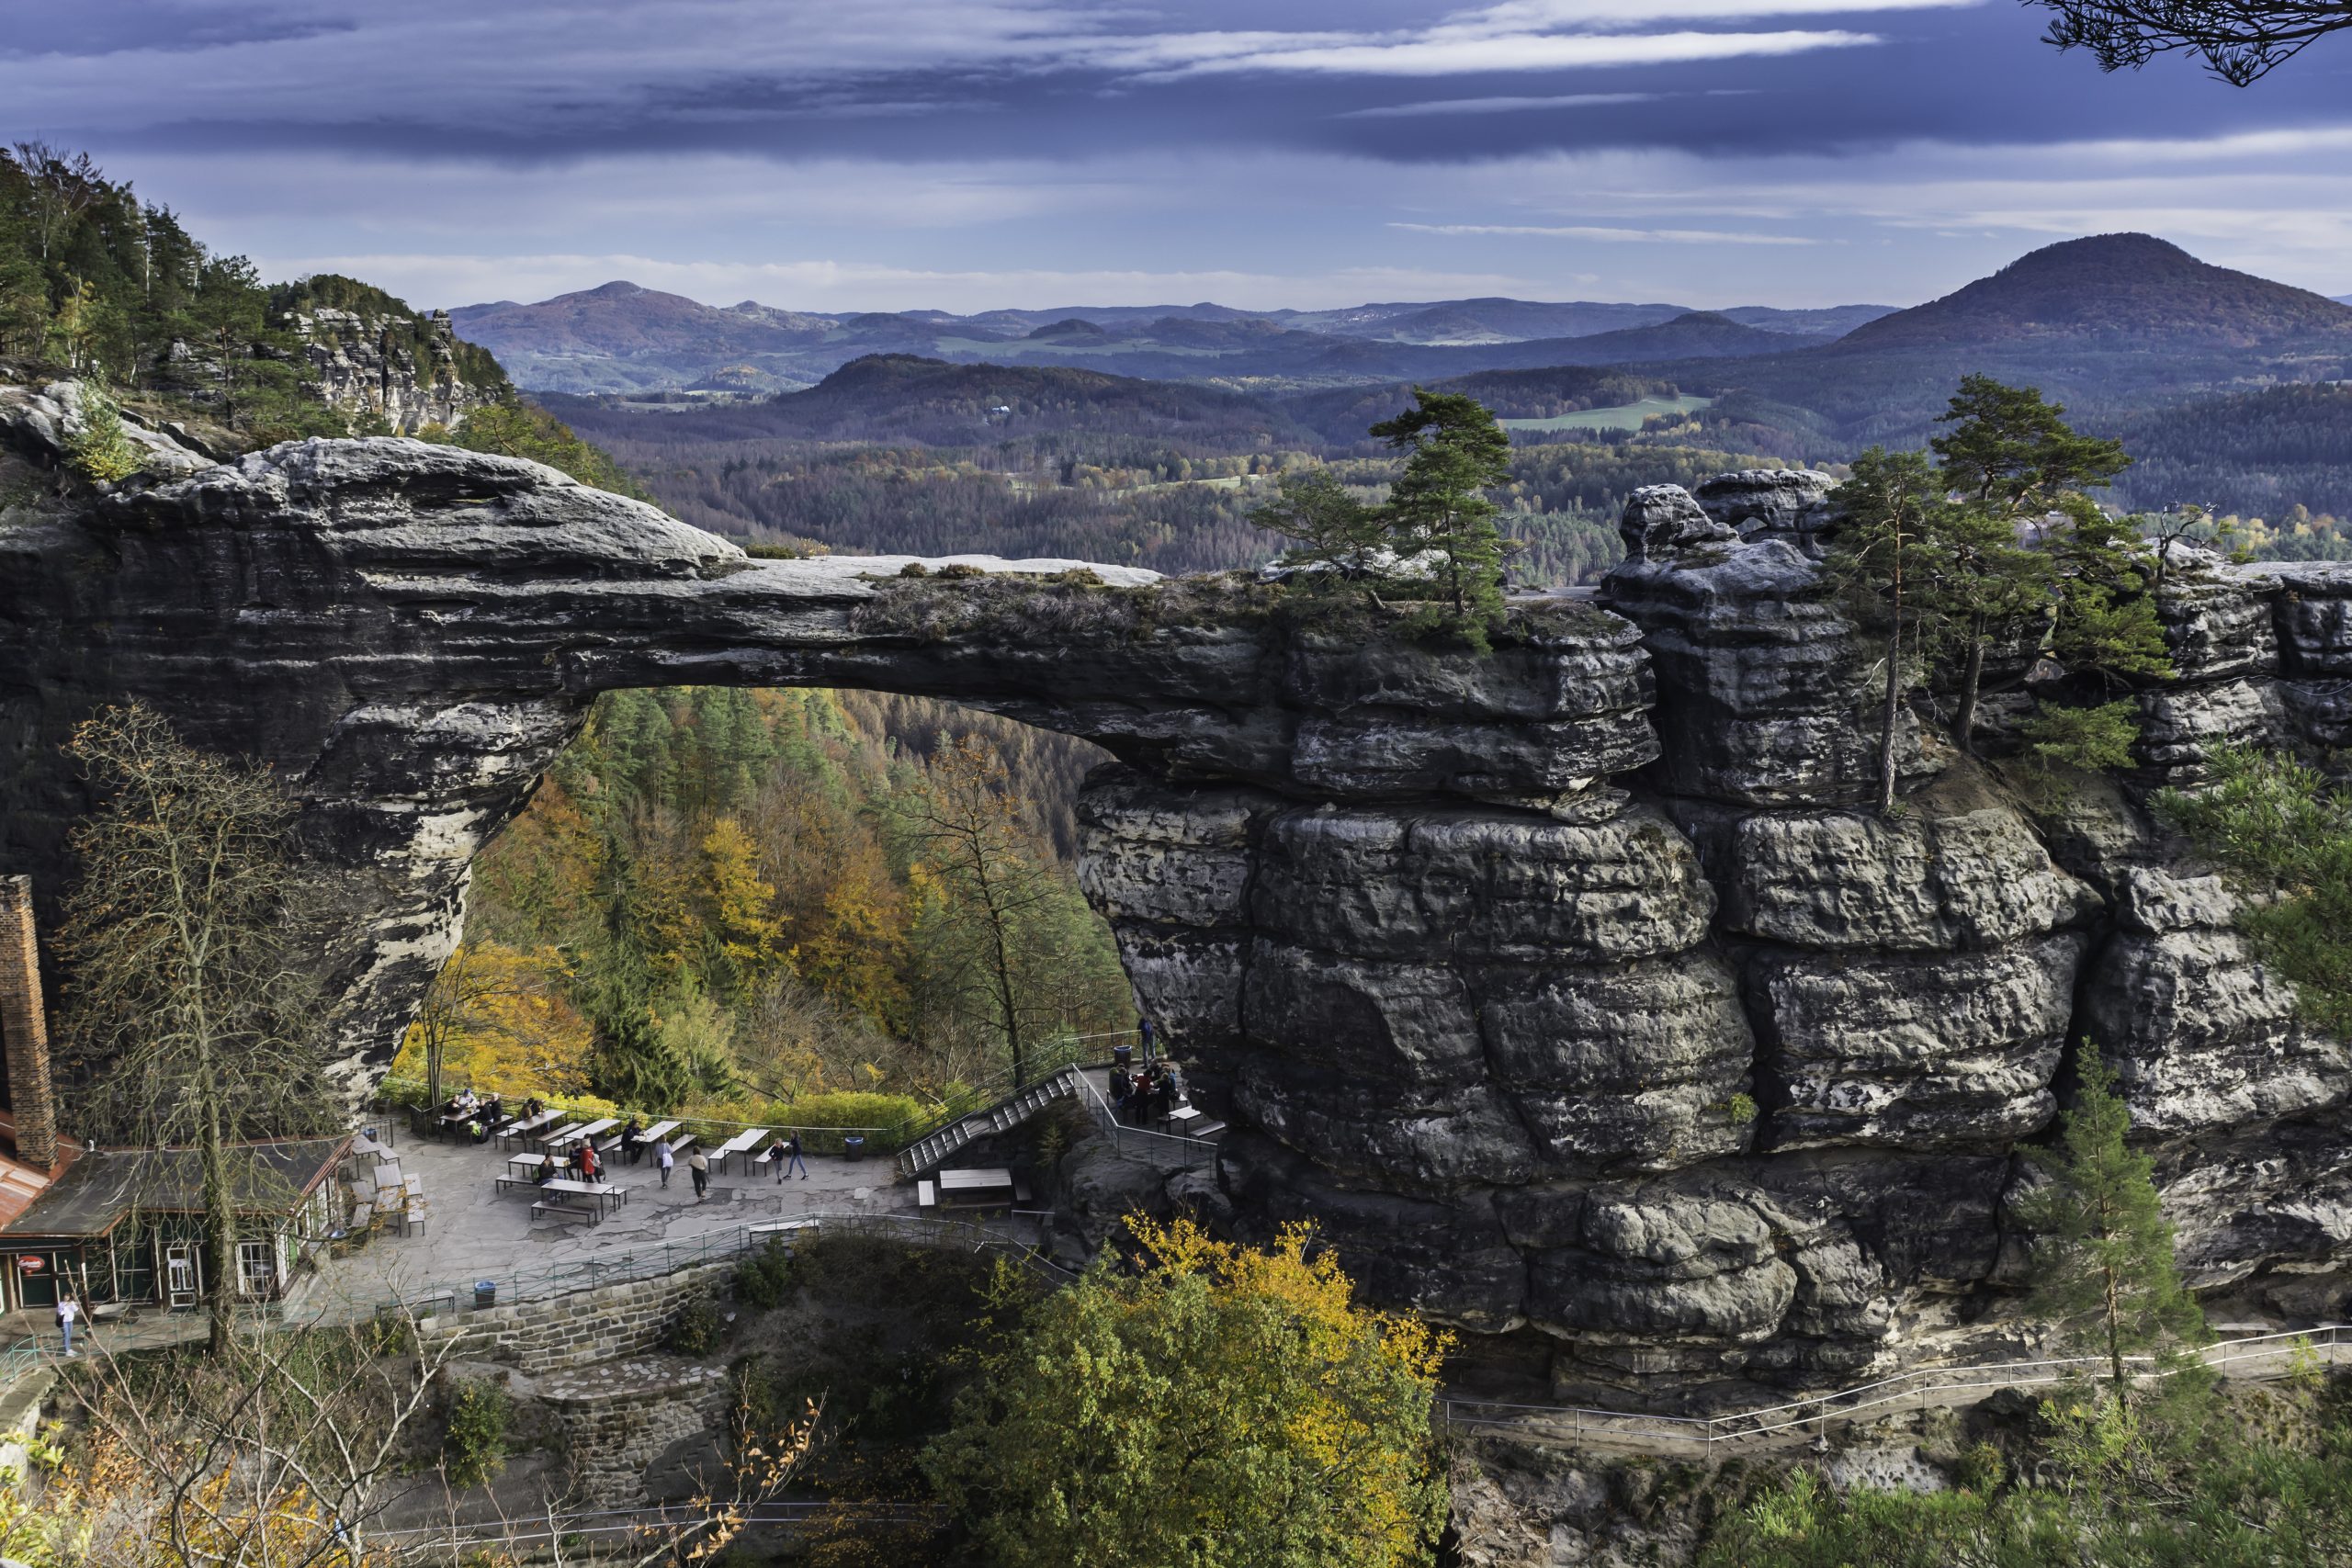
<point x="1486" y="954"/>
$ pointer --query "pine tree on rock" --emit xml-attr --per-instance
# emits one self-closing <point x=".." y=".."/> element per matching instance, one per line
<point x="2103" y="1266"/>
<point x="1886" y="554"/>
<point x="1438" y="507"/>
<point x="2017" y="470"/>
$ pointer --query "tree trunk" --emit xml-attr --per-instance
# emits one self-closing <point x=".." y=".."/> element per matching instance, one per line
<point x="1972" y="681"/>
<point x="1893" y="699"/>
<point x="220" y="1249"/>
<point x="2114" y="1333"/>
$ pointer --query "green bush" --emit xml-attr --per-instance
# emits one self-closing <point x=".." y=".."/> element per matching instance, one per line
<point x="101" y="451"/>
<point x="846" y="1108"/>
<point x="765" y="1276"/>
<point x="473" y="1448"/>
<point x="697" y="1330"/>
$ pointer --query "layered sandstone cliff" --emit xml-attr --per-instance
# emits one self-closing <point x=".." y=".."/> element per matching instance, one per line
<point x="1567" y="988"/>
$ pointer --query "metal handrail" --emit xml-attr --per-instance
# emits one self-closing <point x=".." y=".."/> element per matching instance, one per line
<point x="1918" y="1383"/>
<point x="718" y="1247"/>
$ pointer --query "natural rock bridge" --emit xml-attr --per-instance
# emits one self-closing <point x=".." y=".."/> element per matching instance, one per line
<point x="1487" y="956"/>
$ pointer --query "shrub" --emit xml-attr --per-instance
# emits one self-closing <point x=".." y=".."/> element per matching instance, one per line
<point x="473" y="1448"/>
<point x="914" y="568"/>
<point x="765" y="1276"/>
<point x="696" y="1329"/>
<point x="960" y="568"/>
<point x="101" y="450"/>
<point x="847" y="1107"/>
<point x="1981" y="1469"/>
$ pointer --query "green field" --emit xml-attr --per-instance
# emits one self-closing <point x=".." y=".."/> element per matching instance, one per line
<point x="1628" y="416"/>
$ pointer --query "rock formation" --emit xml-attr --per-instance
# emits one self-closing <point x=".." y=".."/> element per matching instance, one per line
<point x="401" y="369"/>
<point x="1564" y="989"/>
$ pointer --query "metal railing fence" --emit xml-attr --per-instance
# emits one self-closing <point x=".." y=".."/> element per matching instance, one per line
<point x="662" y="1259"/>
<point x="1917" y="1388"/>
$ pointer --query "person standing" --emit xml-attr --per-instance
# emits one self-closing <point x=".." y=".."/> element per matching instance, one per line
<point x="780" y="1154"/>
<point x="698" y="1167"/>
<point x="665" y="1159"/>
<point x="68" y="1309"/>
<point x="792" y="1157"/>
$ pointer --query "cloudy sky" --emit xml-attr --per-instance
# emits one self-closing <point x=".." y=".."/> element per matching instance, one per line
<point x="883" y="154"/>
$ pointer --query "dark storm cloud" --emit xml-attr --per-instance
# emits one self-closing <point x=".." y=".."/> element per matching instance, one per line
<point x="1534" y="146"/>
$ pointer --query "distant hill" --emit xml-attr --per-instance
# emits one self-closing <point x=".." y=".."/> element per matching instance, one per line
<point x="624" y="338"/>
<point x="2125" y="288"/>
<point x="1835" y="321"/>
<point x="1470" y="321"/>
<point x="903" y="398"/>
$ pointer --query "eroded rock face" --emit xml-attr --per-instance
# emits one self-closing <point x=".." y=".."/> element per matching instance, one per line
<point x="1570" y="991"/>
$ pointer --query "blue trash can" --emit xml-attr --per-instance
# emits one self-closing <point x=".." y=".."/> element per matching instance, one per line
<point x="485" y="1293"/>
<point x="853" y="1146"/>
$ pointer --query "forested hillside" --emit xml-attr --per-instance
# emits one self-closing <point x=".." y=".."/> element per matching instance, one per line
<point x="106" y="287"/>
<point x="723" y="898"/>
<point x="2255" y="455"/>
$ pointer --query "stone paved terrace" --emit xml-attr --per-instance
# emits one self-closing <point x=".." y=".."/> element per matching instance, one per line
<point x="476" y="1231"/>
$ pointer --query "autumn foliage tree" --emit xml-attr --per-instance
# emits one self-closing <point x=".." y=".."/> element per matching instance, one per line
<point x="1216" y="1406"/>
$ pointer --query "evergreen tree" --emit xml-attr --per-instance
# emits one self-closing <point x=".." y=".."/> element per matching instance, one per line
<point x="2103" y="1265"/>
<point x="1330" y="528"/>
<point x="1887" y="554"/>
<point x="1438" y="507"/>
<point x="2017" y="470"/>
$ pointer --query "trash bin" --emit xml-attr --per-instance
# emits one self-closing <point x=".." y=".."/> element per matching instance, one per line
<point x="485" y="1293"/>
<point x="1122" y="1057"/>
<point x="853" y="1146"/>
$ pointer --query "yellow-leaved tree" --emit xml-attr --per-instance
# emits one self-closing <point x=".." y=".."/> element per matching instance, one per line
<point x="1219" y="1406"/>
<point x="497" y="1019"/>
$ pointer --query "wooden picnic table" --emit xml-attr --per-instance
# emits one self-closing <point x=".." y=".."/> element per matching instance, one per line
<point x="743" y="1143"/>
<point x="522" y="1127"/>
<point x="580" y="1134"/>
<point x="560" y="1136"/>
<point x="600" y="1191"/>
<point x="979" y="1187"/>
<point x="529" y="1164"/>
<point x="657" y="1133"/>
<point x="388" y="1173"/>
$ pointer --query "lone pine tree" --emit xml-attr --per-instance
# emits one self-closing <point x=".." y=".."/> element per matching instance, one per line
<point x="1438" y="507"/>
<point x="2103" y="1266"/>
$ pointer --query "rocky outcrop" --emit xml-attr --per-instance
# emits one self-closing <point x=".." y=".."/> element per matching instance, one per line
<point x="401" y="369"/>
<point x="1567" y="990"/>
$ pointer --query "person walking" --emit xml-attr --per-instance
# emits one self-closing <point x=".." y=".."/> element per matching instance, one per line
<point x="792" y="1157"/>
<point x="665" y="1159"/>
<point x="698" y="1167"/>
<point x="68" y="1309"/>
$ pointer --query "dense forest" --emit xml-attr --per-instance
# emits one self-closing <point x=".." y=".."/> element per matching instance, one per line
<point x="1124" y="482"/>
<point x="721" y="899"/>
<point x="2256" y="454"/>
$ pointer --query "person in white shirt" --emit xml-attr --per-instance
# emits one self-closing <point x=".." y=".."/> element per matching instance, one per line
<point x="68" y="1309"/>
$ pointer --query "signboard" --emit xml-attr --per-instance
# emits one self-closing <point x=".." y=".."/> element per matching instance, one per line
<point x="30" y="1264"/>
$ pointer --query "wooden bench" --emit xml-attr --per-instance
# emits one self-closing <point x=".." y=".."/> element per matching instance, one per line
<point x="682" y="1142"/>
<point x="926" y="1195"/>
<point x="545" y="1208"/>
<point x="1021" y="1194"/>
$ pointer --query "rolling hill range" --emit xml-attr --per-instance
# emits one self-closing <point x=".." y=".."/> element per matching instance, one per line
<point x="622" y="338"/>
<point x="2113" y="326"/>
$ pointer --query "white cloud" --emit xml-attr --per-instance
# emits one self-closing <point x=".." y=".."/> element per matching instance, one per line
<point x="1446" y="53"/>
<point x="1608" y="235"/>
<point x="541" y="67"/>
<point x="1498" y="106"/>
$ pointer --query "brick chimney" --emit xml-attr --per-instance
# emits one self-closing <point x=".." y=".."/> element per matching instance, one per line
<point x="24" y="1027"/>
